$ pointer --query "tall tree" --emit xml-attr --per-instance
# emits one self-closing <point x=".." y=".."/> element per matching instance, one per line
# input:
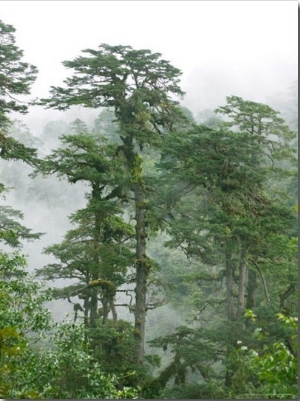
<point x="234" y="167"/>
<point x="16" y="76"/>
<point x="97" y="252"/>
<point x="139" y="86"/>
<point x="231" y="217"/>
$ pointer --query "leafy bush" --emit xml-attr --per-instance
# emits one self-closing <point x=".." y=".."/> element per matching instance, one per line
<point x="275" y="366"/>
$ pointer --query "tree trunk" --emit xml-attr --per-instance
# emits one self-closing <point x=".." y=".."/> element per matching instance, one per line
<point x="251" y="289"/>
<point x="230" y="316"/>
<point x="242" y="284"/>
<point x="96" y="196"/>
<point x="86" y="316"/>
<point x="141" y="274"/>
<point x="105" y="309"/>
<point x="93" y="307"/>
<point x="113" y="310"/>
<point x="134" y="166"/>
<point x="229" y="287"/>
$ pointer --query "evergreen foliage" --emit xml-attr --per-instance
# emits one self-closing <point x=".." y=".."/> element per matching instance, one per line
<point x="196" y="217"/>
<point x="137" y="85"/>
<point x="16" y="76"/>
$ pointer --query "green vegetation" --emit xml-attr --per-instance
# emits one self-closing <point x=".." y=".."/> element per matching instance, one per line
<point x="180" y="265"/>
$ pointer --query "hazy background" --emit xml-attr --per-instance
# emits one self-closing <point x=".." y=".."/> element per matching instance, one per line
<point x="223" y="48"/>
<point x="244" y="48"/>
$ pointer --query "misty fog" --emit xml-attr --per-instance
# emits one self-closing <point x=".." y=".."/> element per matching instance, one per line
<point x="217" y="60"/>
<point x="205" y="90"/>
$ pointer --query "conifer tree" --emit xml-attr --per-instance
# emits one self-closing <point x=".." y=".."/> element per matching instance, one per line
<point x="231" y="217"/>
<point x="138" y="85"/>
<point x="97" y="251"/>
<point x="16" y="78"/>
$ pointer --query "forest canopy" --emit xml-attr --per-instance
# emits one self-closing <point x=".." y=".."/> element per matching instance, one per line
<point x="177" y="270"/>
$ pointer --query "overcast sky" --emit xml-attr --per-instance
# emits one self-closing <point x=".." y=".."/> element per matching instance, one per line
<point x="244" y="48"/>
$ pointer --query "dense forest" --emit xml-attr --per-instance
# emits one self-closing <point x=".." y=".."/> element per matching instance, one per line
<point x="170" y="269"/>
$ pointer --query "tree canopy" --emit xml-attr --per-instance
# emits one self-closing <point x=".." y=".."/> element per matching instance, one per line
<point x="177" y="262"/>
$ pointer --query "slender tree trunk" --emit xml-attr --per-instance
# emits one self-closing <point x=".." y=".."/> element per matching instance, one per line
<point x="141" y="265"/>
<point x="267" y="296"/>
<point x="141" y="274"/>
<point x="229" y="287"/>
<point x="242" y="284"/>
<point x="86" y="316"/>
<point x="230" y="316"/>
<point x="251" y="288"/>
<point x="106" y="310"/>
<point x="93" y="307"/>
<point x="113" y="310"/>
<point x="96" y="196"/>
